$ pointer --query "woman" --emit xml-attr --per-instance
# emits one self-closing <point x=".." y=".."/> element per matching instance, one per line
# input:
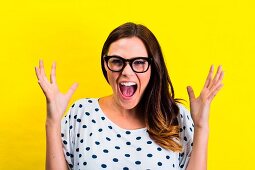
<point x="141" y="125"/>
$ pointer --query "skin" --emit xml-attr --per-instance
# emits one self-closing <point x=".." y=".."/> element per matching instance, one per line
<point x="119" y="109"/>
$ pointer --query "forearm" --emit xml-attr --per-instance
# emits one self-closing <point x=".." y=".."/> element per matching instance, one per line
<point x="55" y="159"/>
<point x="198" y="159"/>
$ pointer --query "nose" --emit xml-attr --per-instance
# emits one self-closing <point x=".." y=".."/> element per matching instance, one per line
<point x="127" y="70"/>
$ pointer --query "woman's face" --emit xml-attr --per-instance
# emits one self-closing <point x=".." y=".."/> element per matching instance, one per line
<point x="127" y="85"/>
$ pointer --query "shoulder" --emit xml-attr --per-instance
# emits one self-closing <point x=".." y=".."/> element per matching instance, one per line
<point x="84" y="102"/>
<point x="184" y="116"/>
<point x="183" y="111"/>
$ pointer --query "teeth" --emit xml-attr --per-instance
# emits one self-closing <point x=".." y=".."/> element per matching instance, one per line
<point x="128" y="83"/>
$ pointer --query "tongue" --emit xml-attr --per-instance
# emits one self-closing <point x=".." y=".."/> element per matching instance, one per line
<point x="127" y="91"/>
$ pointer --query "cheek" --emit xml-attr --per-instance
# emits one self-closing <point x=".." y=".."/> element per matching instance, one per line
<point x="145" y="79"/>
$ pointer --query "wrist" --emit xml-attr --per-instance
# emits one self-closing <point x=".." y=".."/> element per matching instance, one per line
<point x="51" y="123"/>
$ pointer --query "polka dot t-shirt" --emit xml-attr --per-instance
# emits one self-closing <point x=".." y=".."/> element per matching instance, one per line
<point x="92" y="141"/>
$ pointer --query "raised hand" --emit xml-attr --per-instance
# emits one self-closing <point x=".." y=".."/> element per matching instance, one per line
<point x="200" y="106"/>
<point x="57" y="102"/>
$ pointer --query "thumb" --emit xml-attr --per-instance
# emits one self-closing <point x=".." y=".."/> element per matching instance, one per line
<point x="72" y="90"/>
<point x="190" y="93"/>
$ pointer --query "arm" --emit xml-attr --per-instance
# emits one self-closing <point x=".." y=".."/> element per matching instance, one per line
<point x="56" y="106"/>
<point x="200" y="108"/>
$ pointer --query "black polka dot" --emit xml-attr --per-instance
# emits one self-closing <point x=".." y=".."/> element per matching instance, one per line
<point x="64" y="142"/>
<point x="81" y="140"/>
<point x="137" y="162"/>
<point x="159" y="149"/>
<point x="70" y="165"/>
<point x="167" y="157"/>
<point x="67" y="154"/>
<point x="159" y="163"/>
<point x="110" y="127"/>
<point x="115" y="160"/>
<point x="185" y="138"/>
<point x="100" y="130"/>
<point x="139" y="149"/>
<point x="149" y="155"/>
<point x="173" y="165"/>
<point x="105" y="151"/>
<point x="149" y="142"/>
<point x="78" y="120"/>
<point x="128" y="132"/>
<point x="71" y="155"/>
<point x="138" y="138"/>
<point x="127" y="155"/>
<point x="80" y="155"/>
<point x="125" y="168"/>
<point x="87" y="113"/>
<point x="181" y="129"/>
<point x="117" y="147"/>
<point x="97" y="143"/>
<point x="66" y="122"/>
<point x="69" y="116"/>
<point x="91" y="134"/>
<point x="96" y="109"/>
<point x="93" y="121"/>
<point x="108" y="139"/>
<point x="84" y="126"/>
<point x="191" y="144"/>
<point x="87" y="148"/>
<point x="182" y="165"/>
<point x="73" y="105"/>
<point x="94" y="156"/>
<point x="128" y="143"/>
<point x="75" y="117"/>
<point x="191" y="129"/>
<point x="84" y="163"/>
<point x="77" y="149"/>
<point x="103" y="118"/>
<point x="103" y="166"/>
<point x="181" y="116"/>
<point x="80" y="106"/>
<point x="118" y="135"/>
<point x="78" y="135"/>
<point x="71" y="127"/>
<point x="90" y="101"/>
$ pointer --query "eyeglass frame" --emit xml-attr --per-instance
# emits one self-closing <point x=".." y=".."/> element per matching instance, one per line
<point x="129" y="61"/>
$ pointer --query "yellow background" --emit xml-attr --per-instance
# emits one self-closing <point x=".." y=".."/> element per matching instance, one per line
<point x="193" y="35"/>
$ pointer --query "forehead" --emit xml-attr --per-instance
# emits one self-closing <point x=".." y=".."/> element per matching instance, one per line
<point x="128" y="48"/>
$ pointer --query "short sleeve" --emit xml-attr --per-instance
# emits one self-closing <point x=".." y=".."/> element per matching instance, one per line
<point x="186" y="136"/>
<point x="67" y="131"/>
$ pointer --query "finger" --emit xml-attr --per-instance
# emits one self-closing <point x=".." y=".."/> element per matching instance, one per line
<point x="216" y="77"/>
<point x="209" y="77"/>
<point x="72" y="90"/>
<point x="42" y="71"/>
<point x="38" y="75"/>
<point x="214" y="92"/>
<point x="191" y="93"/>
<point x="41" y="82"/>
<point x="53" y="73"/>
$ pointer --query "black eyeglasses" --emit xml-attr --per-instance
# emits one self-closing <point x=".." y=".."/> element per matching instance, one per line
<point x="138" y="64"/>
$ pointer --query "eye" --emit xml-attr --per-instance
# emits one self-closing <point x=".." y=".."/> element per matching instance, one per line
<point x="139" y="62"/>
<point x="116" y="61"/>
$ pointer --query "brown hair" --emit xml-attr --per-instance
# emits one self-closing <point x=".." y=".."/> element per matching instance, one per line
<point x="158" y="102"/>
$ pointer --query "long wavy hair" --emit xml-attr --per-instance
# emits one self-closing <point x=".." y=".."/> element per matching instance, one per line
<point x="157" y="103"/>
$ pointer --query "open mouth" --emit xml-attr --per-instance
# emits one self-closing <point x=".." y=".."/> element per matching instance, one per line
<point x="128" y="89"/>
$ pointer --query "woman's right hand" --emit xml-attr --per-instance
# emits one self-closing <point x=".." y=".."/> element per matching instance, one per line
<point x="57" y="102"/>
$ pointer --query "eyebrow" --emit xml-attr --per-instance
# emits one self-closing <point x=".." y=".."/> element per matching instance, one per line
<point x="125" y="58"/>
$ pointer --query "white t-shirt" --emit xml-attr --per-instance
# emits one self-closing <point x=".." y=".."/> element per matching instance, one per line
<point x="92" y="141"/>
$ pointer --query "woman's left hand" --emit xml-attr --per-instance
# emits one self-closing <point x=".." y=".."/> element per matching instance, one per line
<point x="200" y="106"/>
